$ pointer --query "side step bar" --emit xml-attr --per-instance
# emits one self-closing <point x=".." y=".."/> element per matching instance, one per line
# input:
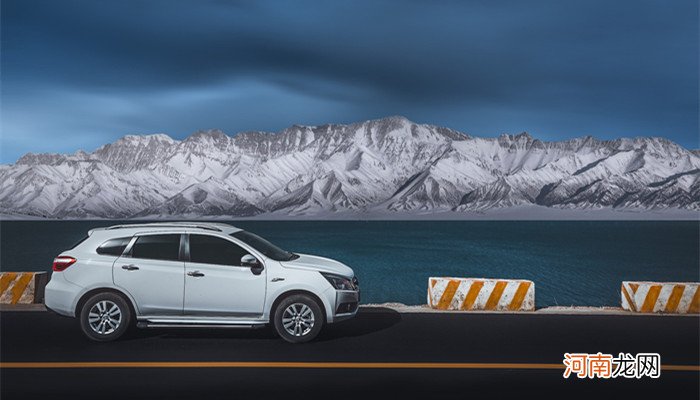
<point x="144" y="324"/>
<point x="198" y="323"/>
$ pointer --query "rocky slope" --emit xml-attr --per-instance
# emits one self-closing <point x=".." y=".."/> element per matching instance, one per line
<point x="388" y="165"/>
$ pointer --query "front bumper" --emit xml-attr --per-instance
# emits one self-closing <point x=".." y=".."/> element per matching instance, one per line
<point x="346" y="304"/>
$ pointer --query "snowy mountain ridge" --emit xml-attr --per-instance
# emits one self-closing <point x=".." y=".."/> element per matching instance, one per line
<point x="389" y="165"/>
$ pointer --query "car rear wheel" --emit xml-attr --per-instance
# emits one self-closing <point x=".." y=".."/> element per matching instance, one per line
<point x="298" y="318"/>
<point x="105" y="317"/>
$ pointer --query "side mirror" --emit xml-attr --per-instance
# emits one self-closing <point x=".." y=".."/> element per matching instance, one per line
<point x="249" y="261"/>
<point x="255" y="266"/>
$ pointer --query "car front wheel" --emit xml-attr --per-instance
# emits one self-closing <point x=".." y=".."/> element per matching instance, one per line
<point x="298" y="319"/>
<point x="105" y="317"/>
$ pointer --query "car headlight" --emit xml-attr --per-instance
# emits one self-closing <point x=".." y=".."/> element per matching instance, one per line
<point x="339" y="282"/>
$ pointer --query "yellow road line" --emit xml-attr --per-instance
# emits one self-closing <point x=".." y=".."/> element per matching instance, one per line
<point x="680" y="368"/>
<point x="283" y="364"/>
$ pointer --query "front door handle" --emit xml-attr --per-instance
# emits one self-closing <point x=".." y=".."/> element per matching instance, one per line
<point x="130" y="267"/>
<point x="196" y="274"/>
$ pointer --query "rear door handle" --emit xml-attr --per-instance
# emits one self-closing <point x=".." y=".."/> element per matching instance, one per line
<point x="130" y="267"/>
<point x="196" y="274"/>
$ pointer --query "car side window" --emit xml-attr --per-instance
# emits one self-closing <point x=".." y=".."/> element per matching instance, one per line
<point x="157" y="247"/>
<point x="113" y="247"/>
<point x="207" y="249"/>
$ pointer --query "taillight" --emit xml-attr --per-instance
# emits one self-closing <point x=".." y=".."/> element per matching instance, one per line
<point x="62" y="262"/>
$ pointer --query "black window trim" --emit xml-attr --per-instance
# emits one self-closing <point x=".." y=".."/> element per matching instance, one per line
<point x="127" y="247"/>
<point x="181" y="252"/>
<point x="244" y="244"/>
<point x="127" y="250"/>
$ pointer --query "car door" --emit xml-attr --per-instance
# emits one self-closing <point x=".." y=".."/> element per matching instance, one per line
<point x="153" y="273"/>
<point x="215" y="281"/>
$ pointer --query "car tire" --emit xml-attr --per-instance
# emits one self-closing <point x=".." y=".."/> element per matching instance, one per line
<point x="298" y="318"/>
<point x="105" y="317"/>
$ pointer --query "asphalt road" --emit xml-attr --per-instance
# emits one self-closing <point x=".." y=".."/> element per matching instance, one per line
<point x="506" y="354"/>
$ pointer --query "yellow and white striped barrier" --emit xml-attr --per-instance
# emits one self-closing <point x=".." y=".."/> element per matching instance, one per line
<point x="469" y="294"/>
<point x="22" y="287"/>
<point x="661" y="297"/>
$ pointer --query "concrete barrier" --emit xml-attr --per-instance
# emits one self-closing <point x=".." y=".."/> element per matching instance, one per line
<point x="661" y="297"/>
<point x="468" y="294"/>
<point x="22" y="287"/>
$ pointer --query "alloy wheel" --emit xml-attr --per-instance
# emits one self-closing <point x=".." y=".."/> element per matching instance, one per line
<point x="105" y="317"/>
<point x="298" y="319"/>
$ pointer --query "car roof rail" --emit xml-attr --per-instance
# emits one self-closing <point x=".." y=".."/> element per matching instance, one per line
<point x="206" y="226"/>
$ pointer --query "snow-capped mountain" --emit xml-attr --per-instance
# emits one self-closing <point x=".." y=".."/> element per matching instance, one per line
<point x="388" y="165"/>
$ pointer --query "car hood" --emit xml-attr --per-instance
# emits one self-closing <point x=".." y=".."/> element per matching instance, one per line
<point x="316" y="263"/>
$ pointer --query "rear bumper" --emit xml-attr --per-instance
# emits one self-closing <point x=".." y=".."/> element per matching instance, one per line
<point x="59" y="295"/>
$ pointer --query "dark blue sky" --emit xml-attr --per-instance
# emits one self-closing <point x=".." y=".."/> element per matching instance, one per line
<point x="77" y="74"/>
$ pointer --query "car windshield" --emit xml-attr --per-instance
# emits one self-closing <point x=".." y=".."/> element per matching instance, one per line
<point x="263" y="246"/>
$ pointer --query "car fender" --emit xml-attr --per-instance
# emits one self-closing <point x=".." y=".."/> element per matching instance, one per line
<point x="281" y="281"/>
<point x="106" y="286"/>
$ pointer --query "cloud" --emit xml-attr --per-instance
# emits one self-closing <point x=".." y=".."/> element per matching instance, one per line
<point x="561" y="68"/>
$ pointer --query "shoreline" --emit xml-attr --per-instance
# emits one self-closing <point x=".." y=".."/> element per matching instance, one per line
<point x="522" y="213"/>
<point x="425" y="309"/>
<point x="549" y="310"/>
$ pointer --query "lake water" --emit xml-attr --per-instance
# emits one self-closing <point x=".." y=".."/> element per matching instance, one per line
<point x="571" y="262"/>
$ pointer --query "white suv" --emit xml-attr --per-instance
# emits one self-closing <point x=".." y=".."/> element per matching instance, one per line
<point x="179" y="274"/>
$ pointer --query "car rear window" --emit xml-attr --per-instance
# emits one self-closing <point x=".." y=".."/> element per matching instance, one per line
<point x="113" y="247"/>
<point x="157" y="247"/>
